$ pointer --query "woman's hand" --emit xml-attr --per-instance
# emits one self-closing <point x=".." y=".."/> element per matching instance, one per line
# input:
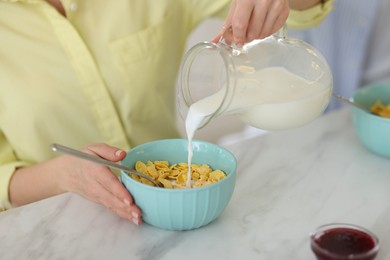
<point x="253" y="19"/>
<point x="67" y="173"/>
<point x="99" y="184"/>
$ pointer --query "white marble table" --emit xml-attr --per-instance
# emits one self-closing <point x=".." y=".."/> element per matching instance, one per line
<point x="288" y="183"/>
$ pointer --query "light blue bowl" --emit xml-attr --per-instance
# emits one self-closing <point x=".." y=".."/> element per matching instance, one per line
<point x="181" y="209"/>
<point x="372" y="130"/>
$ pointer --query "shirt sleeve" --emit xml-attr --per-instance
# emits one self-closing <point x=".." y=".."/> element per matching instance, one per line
<point x="8" y="165"/>
<point x="310" y="17"/>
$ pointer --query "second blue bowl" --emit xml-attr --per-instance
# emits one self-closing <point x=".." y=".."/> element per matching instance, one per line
<point x="372" y="130"/>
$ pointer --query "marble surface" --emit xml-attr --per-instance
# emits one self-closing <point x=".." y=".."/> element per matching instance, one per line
<point x="288" y="183"/>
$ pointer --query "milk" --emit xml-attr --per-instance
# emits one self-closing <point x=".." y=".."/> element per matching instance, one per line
<point x="269" y="99"/>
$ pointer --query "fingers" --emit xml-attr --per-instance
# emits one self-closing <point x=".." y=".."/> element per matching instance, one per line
<point x="240" y="21"/>
<point x="106" y="151"/>
<point x="253" y="19"/>
<point x="228" y="35"/>
<point x="216" y="38"/>
<point x="98" y="183"/>
<point x="226" y="30"/>
<point x="116" y="197"/>
<point x="257" y="22"/>
<point x="275" y="18"/>
<point x="125" y="209"/>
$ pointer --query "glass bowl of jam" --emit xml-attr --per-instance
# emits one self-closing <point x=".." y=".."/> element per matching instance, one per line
<point x="340" y="241"/>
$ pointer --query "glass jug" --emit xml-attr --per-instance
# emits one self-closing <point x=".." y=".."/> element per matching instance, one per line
<point x="271" y="84"/>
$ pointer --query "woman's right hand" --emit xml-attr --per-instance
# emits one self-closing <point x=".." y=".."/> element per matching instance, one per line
<point x="248" y="20"/>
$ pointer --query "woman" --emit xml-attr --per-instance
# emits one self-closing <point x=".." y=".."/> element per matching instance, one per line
<point x="100" y="75"/>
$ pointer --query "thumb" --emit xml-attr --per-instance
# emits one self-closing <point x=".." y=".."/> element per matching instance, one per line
<point x="106" y="151"/>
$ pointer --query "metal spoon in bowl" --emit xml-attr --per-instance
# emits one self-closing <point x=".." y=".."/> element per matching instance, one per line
<point x="86" y="156"/>
<point x="350" y="102"/>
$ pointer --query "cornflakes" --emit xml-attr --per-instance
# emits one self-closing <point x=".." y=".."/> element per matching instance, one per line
<point x="381" y="110"/>
<point x="175" y="176"/>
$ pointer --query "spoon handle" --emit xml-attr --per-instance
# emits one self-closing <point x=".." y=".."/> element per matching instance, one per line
<point x="86" y="156"/>
<point x="344" y="99"/>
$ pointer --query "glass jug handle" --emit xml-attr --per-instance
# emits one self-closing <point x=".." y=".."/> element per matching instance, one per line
<point x="235" y="50"/>
<point x="232" y="48"/>
<point x="282" y="33"/>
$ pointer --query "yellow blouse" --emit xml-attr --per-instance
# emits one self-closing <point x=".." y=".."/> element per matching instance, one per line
<point x="106" y="73"/>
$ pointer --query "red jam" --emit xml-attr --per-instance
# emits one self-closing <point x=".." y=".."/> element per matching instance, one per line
<point x="339" y="243"/>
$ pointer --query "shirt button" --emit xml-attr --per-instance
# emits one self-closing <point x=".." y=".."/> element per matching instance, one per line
<point x="73" y="7"/>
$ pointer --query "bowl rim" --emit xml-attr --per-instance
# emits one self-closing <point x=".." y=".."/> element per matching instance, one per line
<point x="366" y="88"/>
<point x="187" y="190"/>
<point x="369" y="87"/>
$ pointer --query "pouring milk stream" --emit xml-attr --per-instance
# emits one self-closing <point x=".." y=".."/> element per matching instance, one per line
<point x="272" y="84"/>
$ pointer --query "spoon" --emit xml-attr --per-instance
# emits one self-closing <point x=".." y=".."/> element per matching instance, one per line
<point x="86" y="156"/>
<point x="350" y="102"/>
